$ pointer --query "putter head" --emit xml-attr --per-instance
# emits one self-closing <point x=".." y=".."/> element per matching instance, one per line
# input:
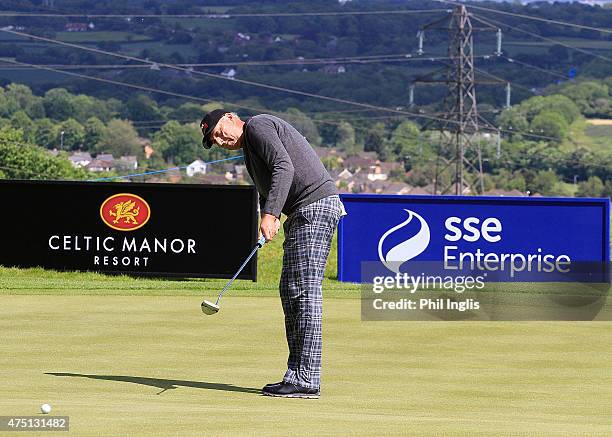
<point x="209" y="308"/>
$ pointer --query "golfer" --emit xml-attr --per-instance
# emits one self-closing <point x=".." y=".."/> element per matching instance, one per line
<point x="291" y="179"/>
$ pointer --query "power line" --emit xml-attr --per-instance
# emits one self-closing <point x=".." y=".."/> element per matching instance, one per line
<point x="535" y="35"/>
<point x="162" y="171"/>
<point x="322" y="61"/>
<point x="215" y="76"/>
<point x="535" y="67"/>
<point x="188" y="97"/>
<point x="159" y="91"/>
<point x="227" y="16"/>
<point x="486" y="73"/>
<point x="190" y="120"/>
<point x="530" y="17"/>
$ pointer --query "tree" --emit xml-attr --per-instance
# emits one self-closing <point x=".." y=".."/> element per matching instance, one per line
<point x="21" y="160"/>
<point x="21" y="98"/>
<point x="46" y="133"/>
<point x="544" y="182"/>
<point x="86" y="107"/>
<point x="304" y="125"/>
<point x="120" y="139"/>
<point x="550" y="124"/>
<point x="592" y="187"/>
<point x="346" y="137"/>
<point x="512" y="119"/>
<point x="375" y="138"/>
<point x="608" y="188"/>
<point x="179" y="144"/>
<point x="21" y="121"/>
<point x="331" y="162"/>
<point x="94" y="131"/>
<point x="584" y="94"/>
<point x="558" y="52"/>
<point x="507" y="180"/>
<point x="404" y="142"/>
<point x="141" y="108"/>
<point x="58" y="104"/>
<point x="188" y="112"/>
<point x="74" y="134"/>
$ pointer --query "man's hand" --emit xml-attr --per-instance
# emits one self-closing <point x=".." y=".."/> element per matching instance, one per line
<point x="269" y="226"/>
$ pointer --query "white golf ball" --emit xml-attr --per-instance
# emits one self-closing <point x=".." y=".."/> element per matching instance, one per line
<point x="45" y="408"/>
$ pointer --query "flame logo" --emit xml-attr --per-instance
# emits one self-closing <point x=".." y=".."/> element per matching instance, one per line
<point x="408" y="249"/>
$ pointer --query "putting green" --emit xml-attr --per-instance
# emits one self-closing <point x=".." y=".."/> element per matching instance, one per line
<point x="154" y="365"/>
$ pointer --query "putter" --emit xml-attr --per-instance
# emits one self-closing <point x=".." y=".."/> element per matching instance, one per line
<point x="208" y="307"/>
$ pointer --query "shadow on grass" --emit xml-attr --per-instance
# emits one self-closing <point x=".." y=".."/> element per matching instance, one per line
<point x="164" y="384"/>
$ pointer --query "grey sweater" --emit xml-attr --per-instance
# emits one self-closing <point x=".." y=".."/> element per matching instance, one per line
<point x="285" y="169"/>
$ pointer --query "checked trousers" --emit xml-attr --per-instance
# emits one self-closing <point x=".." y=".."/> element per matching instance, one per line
<point x="308" y="234"/>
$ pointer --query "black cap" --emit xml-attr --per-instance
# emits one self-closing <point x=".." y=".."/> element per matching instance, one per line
<point x="208" y="123"/>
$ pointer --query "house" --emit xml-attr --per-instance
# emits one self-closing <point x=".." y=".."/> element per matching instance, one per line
<point x="374" y="187"/>
<point x="241" y="39"/>
<point x="80" y="159"/>
<point x="504" y="193"/>
<point x="375" y="173"/>
<point x="240" y="171"/>
<point x="102" y="162"/>
<point x="324" y="152"/>
<point x="427" y="189"/>
<point x="98" y="165"/>
<point x="129" y="162"/>
<point x="334" y="69"/>
<point x="105" y="157"/>
<point x="230" y="73"/>
<point x="397" y="188"/>
<point x="197" y="166"/>
<point x="345" y="174"/>
<point x="76" y="27"/>
<point x="360" y="162"/>
<point x="148" y="151"/>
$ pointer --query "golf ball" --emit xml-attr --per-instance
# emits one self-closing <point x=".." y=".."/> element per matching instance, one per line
<point x="45" y="408"/>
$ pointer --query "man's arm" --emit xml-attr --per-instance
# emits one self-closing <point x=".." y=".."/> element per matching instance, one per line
<point x="274" y="154"/>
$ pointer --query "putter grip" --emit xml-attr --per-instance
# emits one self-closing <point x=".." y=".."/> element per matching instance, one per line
<point x="261" y="241"/>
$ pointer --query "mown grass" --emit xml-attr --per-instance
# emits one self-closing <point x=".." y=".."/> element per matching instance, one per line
<point x="155" y="366"/>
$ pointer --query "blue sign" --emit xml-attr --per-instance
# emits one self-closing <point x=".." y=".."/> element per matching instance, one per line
<point x="515" y="238"/>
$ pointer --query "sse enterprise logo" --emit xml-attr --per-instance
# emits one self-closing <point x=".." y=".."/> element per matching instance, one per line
<point x="408" y="249"/>
<point x="125" y="212"/>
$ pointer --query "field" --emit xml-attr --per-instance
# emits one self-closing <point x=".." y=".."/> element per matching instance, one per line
<point x="128" y="356"/>
<point x="593" y="134"/>
<point x="94" y="37"/>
